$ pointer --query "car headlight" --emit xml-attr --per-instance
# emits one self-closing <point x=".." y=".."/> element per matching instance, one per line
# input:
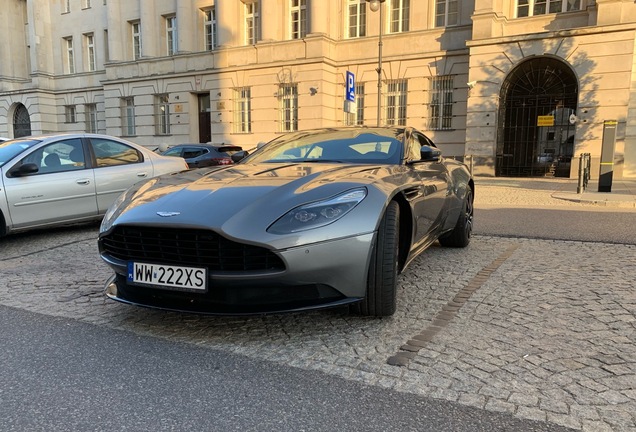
<point x="319" y="213"/>
<point x="110" y="214"/>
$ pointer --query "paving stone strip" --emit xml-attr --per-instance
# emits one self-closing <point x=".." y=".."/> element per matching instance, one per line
<point x="409" y="350"/>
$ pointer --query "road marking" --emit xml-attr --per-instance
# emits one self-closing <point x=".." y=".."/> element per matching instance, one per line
<point x="409" y="350"/>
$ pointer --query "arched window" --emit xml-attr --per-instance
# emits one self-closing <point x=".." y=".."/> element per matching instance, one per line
<point x="21" y="122"/>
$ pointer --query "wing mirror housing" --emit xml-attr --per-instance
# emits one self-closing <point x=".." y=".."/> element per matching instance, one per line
<point x="24" y="170"/>
<point x="239" y="156"/>
<point x="430" y="154"/>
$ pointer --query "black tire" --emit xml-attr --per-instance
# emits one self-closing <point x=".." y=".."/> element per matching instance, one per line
<point x="381" y="293"/>
<point x="459" y="237"/>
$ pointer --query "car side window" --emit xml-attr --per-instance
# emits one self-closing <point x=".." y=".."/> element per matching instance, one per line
<point x="189" y="153"/>
<point x="173" y="152"/>
<point x="113" y="153"/>
<point x="60" y="156"/>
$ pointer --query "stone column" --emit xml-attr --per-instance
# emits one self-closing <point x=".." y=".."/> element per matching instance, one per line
<point x="318" y="17"/>
<point x="150" y="37"/>
<point x="272" y="24"/>
<point x="186" y="26"/>
<point x="117" y="32"/>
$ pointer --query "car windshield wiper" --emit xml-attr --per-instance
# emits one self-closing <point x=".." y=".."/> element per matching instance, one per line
<point x="319" y="160"/>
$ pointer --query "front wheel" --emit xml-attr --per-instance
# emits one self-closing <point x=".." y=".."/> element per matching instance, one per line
<point x="381" y="293"/>
<point x="460" y="235"/>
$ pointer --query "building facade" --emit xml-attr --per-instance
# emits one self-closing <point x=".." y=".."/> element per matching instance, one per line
<point x="522" y="88"/>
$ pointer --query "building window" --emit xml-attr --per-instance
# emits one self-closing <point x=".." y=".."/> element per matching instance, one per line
<point x="89" y="42"/>
<point x="67" y="6"/>
<point x="288" y="97"/>
<point x="298" y="19"/>
<point x="171" y="35"/>
<point x="69" y="114"/>
<point x="441" y="103"/>
<point x="242" y="110"/>
<point x="162" y="115"/>
<point x="446" y="13"/>
<point x="86" y="4"/>
<point x="396" y="102"/>
<point x="527" y="8"/>
<point x="90" y="117"/>
<point x="357" y="11"/>
<point x="252" y="27"/>
<point x="357" y="118"/>
<point x="399" y="16"/>
<point x="128" y="116"/>
<point x="209" y="28"/>
<point x="135" y="29"/>
<point x="69" y="57"/>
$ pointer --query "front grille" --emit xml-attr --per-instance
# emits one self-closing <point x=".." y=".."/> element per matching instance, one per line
<point x="187" y="247"/>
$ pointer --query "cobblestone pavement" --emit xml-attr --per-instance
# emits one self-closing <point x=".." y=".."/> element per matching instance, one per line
<point x="483" y="326"/>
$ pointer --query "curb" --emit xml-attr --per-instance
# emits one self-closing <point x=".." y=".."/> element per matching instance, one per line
<point x="597" y="202"/>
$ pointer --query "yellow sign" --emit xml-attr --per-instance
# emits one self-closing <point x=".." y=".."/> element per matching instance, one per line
<point x="545" y="121"/>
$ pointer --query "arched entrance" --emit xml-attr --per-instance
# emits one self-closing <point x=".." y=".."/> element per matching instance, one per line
<point x="535" y="135"/>
<point x="21" y="122"/>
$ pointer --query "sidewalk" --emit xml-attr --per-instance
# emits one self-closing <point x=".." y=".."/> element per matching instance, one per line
<point x="552" y="191"/>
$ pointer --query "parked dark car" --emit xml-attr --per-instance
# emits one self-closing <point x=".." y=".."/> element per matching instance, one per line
<point x="313" y="219"/>
<point x="203" y="155"/>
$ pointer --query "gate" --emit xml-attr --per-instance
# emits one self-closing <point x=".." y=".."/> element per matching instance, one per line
<point x="537" y="116"/>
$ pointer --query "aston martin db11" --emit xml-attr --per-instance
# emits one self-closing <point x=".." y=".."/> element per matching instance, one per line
<point x="312" y="219"/>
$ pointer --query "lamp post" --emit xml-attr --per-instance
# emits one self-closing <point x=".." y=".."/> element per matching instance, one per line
<point x="376" y="5"/>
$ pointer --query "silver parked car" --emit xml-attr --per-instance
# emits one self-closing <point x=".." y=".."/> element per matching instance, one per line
<point x="66" y="178"/>
<point x="313" y="219"/>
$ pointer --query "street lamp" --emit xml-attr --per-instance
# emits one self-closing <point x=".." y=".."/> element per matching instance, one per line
<point x="376" y="5"/>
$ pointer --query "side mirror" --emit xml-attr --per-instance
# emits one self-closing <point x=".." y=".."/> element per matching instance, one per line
<point x="430" y="154"/>
<point x="24" y="170"/>
<point x="239" y="156"/>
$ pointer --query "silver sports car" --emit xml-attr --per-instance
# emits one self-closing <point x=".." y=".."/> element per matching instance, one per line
<point x="312" y="219"/>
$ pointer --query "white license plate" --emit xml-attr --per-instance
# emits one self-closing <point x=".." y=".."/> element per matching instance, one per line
<point x="165" y="276"/>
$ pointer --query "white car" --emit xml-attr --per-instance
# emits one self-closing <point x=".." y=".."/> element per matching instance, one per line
<point x="67" y="178"/>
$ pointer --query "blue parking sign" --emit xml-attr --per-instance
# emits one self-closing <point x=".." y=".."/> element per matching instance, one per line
<point x="351" y="87"/>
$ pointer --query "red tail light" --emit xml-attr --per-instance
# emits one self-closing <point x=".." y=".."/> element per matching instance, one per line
<point x="223" y="161"/>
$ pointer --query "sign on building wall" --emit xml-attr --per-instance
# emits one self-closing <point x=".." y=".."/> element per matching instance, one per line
<point x="547" y="120"/>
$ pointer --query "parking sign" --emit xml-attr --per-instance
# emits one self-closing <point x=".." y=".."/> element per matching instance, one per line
<point x="351" y="87"/>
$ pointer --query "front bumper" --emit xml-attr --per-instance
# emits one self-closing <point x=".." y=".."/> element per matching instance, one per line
<point x="317" y="276"/>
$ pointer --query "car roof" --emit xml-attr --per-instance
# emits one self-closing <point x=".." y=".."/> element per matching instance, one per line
<point x="42" y="137"/>
<point x="207" y="145"/>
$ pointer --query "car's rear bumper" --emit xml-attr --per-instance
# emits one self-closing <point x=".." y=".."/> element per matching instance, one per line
<point x="317" y="276"/>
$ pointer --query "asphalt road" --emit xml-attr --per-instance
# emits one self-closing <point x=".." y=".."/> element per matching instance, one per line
<point x="61" y="375"/>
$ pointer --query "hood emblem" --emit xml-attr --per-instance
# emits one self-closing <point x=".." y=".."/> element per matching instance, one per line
<point x="168" y="214"/>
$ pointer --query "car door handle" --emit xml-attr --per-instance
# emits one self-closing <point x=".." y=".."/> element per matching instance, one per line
<point x="142" y="174"/>
<point x="83" y="181"/>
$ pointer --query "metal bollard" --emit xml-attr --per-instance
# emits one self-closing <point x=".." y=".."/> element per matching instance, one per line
<point x="584" y="172"/>
<point x="579" y="188"/>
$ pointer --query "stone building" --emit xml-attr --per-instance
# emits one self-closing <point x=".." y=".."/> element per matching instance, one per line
<point x="522" y="87"/>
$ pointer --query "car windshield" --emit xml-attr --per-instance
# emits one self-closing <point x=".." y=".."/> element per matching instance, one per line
<point x="345" y="146"/>
<point x="10" y="149"/>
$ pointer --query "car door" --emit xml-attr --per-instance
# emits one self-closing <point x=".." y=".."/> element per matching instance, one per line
<point x="63" y="188"/>
<point x="117" y="167"/>
<point x="434" y="181"/>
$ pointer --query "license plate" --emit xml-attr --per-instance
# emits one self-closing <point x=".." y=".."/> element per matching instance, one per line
<point x="165" y="276"/>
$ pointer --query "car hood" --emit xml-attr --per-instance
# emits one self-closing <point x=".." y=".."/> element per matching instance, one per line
<point x="242" y="197"/>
